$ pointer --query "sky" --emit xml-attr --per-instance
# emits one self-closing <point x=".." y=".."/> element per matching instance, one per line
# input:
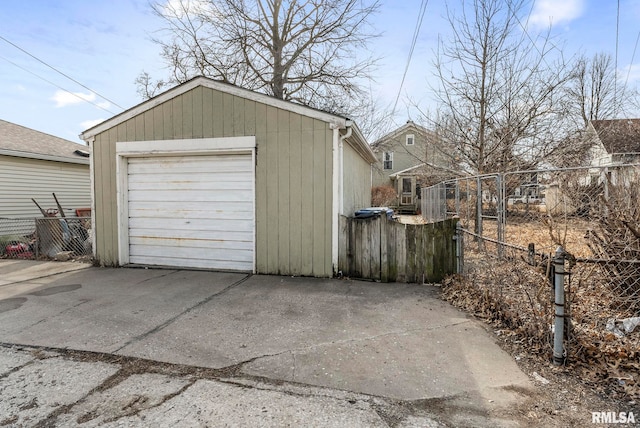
<point x="103" y="45"/>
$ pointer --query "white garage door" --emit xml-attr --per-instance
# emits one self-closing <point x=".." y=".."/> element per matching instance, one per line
<point x="192" y="211"/>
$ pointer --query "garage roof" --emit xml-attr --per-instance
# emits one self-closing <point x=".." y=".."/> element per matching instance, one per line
<point x="357" y="140"/>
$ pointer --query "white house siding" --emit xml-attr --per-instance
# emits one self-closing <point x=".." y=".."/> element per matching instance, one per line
<point x="22" y="179"/>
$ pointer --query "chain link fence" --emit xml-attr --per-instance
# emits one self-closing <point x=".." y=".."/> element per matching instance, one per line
<point x="512" y="224"/>
<point x="45" y="238"/>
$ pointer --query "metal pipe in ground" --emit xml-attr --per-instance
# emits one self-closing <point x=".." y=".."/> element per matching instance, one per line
<point x="558" y="338"/>
<point x="459" y="237"/>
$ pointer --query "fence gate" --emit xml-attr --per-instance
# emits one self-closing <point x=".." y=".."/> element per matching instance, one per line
<point x="388" y="251"/>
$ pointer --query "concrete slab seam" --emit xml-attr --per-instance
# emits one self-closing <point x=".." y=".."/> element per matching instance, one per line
<point x="135" y="365"/>
<point x="42" y="277"/>
<point x="82" y="302"/>
<point x="186" y="311"/>
<point x="153" y="278"/>
<point x="390" y="411"/>
<point x="353" y="340"/>
<point x="15" y="369"/>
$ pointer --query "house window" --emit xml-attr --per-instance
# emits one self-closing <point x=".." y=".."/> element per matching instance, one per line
<point x="410" y="139"/>
<point x="388" y="160"/>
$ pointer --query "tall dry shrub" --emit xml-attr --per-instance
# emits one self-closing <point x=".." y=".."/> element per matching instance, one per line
<point x="616" y="239"/>
<point x="383" y="196"/>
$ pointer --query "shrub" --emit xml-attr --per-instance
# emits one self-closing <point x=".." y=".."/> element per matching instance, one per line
<point x="383" y="196"/>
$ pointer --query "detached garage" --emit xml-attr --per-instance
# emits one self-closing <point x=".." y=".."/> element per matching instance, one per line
<point x="209" y="175"/>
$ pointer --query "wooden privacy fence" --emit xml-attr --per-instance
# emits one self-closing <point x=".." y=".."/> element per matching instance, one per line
<point x="388" y="251"/>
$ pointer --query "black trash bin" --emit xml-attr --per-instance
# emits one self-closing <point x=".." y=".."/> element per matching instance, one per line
<point x="374" y="212"/>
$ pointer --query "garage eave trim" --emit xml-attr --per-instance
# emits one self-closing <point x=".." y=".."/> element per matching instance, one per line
<point x="192" y="146"/>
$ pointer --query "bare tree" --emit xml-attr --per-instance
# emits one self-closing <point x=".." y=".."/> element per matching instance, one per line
<point x="147" y="87"/>
<point x="500" y="89"/>
<point x="309" y="51"/>
<point x="594" y="90"/>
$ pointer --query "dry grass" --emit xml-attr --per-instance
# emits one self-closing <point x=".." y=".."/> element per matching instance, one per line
<point x="570" y="234"/>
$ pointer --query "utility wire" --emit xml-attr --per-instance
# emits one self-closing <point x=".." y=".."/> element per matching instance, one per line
<point x="423" y="9"/>
<point x="60" y="72"/>
<point x="56" y="85"/>
<point x="630" y="65"/>
<point x="615" y="77"/>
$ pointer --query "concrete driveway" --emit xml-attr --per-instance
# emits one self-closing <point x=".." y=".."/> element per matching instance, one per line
<point x="395" y="342"/>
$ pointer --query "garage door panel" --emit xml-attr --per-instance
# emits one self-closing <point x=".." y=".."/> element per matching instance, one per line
<point x="182" y="224"/>
<point x="186" y="165"/>
<point x="220" y="235"/>
<point x="192" y="211"/>
<point x="208" y="206"/>
<point x="227" y="195"/>
<point x="241" y="256"/>
<point x="198" y="242"/>
<point x="191" y="214"/>
<point x="191" y="262"/>
<point x="204" y="177"/>
<point x="191" y="185"/>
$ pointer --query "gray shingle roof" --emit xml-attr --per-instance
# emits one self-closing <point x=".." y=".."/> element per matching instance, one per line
<point x="619" y="135"/>
<point x="31" y="143"/>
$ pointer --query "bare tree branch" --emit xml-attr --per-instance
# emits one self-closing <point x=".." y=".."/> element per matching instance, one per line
<point x="297" y="50"/>
<point x="499" y="90"/>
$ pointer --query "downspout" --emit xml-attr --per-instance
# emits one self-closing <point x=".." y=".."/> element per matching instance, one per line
<point x="90" y="143"/>
<point x="341" y="164"/>
<point x="338" y="187"/>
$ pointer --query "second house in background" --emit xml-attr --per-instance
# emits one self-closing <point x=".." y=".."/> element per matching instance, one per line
<point x="409" y="158"/>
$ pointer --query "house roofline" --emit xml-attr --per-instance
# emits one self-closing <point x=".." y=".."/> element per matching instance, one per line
<point x="38" y="156"/>
<point x="401" y="130"/>
<point x="404" y="171"/>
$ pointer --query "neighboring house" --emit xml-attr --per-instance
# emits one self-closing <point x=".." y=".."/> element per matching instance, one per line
<point x="35" y="165"/>
<point x="524" y="188"/>
<point x="210" y="175"/>
<point x="613" y="142"/>
<point x="408" y="158"/>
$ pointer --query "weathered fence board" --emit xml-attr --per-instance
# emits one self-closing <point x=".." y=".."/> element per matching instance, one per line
<point x="388" y="251"/>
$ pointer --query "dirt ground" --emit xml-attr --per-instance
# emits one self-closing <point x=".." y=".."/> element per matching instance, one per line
<point x="602" y="373"/>
<point x="565" y="400"/>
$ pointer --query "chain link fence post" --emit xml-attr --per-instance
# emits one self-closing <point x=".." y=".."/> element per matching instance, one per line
<point x="459" y="237"/>
<point x="558" y="283"/>
<point x="500" y="214"/>
<point x="478" y="228"/>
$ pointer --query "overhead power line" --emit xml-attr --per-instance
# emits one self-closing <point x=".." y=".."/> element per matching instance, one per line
<point x="59" y="72"/>
<point x="56" y="85"/>
<point x="633" y="56"/>
<point x="416" y="32"/>
<point x="615" y="79"/>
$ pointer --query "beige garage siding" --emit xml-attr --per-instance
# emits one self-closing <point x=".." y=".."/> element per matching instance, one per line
<point x="357" y="182"/>
<point x="293" y="174"/>
<point x="22" y="179"/>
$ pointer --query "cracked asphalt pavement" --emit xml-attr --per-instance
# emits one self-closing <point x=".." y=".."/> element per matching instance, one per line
<point x="86" y="346"/>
